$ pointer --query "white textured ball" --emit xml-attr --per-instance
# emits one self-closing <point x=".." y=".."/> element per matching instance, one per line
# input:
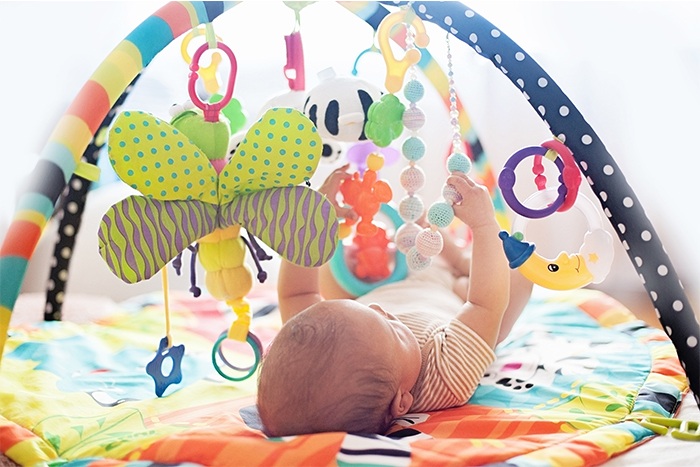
<point x="411" y="208"/>
<point x="412" y="179"/>
<point x="405" y="237"/>
<point x="416" y="261"/>
<point x="429" y="242"/>
<point x="413" y="118"/>
<point x="450" y="193"/>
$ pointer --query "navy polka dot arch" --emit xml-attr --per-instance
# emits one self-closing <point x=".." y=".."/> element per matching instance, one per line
<point x="616" y="197"/>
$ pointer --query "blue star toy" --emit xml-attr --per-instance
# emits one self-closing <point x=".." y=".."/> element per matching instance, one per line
<point x="155" y="366"/>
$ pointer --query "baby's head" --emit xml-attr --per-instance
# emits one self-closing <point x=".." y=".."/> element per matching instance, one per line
<point x="338" y="366"/>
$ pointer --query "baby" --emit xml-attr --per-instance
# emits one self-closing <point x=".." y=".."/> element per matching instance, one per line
<point x="356" y="364"/>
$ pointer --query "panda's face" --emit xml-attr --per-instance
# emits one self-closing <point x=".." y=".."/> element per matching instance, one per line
<point x="338" y="107"/>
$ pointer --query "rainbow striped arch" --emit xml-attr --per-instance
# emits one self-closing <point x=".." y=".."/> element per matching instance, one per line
<point x="77" y="126"/>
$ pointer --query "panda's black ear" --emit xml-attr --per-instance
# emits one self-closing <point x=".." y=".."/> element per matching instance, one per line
<point x="366" y="101"/>
<point x="312" y="115"/>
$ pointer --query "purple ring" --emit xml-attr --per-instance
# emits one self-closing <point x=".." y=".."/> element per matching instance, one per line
<point x="506" y="182"/>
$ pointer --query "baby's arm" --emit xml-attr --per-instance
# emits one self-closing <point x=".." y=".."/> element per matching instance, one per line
<point x="298" y="287"/>
<point x="489" y="286"/>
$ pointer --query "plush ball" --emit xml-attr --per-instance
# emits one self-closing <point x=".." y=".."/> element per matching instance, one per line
<point x="450" y="193"/>
<point x="429" y="242"/>
<point x="458" y="162"/>
<point x="413" y="118"/>
<point x="416" y="261"/>
<point x="413" y="91"/>
<point x="412" y="178"/>
<point x="413" y="148"/>
<point x="405" y="237"/>
<point x="440" y="214"/>
<point x="411" y="208"/>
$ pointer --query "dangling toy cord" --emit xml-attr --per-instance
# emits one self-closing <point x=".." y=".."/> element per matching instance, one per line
<point x="429" y="242"/>
<point x="294" y="68"/>
<point x="166" y="349"/>
<point x="228" y="241"/>
<point x="412" y="177"/>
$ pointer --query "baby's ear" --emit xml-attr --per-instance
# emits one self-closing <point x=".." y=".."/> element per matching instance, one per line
<point x="401" y="403"/>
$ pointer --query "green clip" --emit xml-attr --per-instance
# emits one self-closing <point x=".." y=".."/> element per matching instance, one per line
<point x="687" y="430"/>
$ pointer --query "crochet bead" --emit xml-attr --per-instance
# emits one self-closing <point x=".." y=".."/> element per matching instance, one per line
<point x="429" y="242"/>
<point x="406" y="236"/>
<point x="411" y="208"/>
<point x="458" y="162"/>
<point x="413" y="91"/>
<point x="416" y="261"/>
<point x="450" y="193"/>
<point x="413" y="148"/>
<point x="440" y="214"/>
<point x="413" y="119"/>
<point x="412" y="178"/>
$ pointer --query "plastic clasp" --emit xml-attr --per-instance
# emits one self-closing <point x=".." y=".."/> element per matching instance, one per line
<point x="211" y="111"/>
<point x="688" y="430"/>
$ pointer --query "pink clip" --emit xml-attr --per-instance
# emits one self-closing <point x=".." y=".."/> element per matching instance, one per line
<point x="294" y="69"/>
<point x="211" y="111"/>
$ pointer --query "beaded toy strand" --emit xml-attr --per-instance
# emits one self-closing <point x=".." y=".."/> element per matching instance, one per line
<point x="429" y="242"/>
<point x="412" y="177"/>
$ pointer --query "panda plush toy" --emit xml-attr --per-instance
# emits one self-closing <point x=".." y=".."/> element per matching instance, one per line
<point x="338" y="106"/>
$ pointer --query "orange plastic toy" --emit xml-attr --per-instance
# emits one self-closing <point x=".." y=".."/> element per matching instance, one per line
<point x="365" y="195"/>
<point x="372" y="257"/>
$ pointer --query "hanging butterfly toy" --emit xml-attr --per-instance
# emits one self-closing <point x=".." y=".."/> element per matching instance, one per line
<point x="195" y="199"/>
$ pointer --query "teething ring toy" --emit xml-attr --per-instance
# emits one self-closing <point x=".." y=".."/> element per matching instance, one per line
<point x="352" y="284"/>
<point x="208" y="74"/>
<point x="254" y="343"/>
<point x="569" y="179"/>
<point x="397" y="68"/>
<point x="155" y="368"/>
<point x="567" y="271"/>
<point x="211" y="111"/>
<point x="570" y="174"/>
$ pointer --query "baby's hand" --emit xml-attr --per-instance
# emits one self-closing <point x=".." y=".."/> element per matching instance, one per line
<point x="476" y="208"/>
<point x="331" y="187"/>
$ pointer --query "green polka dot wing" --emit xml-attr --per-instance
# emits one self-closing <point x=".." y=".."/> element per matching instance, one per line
<point x="282" y="149"/>
<point x="185" y="198"/>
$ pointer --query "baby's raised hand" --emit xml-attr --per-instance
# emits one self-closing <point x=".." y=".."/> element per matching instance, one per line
<point x="475" y="208"/>
<point x="331" y="187"/>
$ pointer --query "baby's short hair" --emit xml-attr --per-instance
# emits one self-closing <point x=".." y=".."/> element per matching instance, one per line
<point x="316" y="377"/>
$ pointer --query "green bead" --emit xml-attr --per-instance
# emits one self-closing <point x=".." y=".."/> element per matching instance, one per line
<point x="440" y="214"/>
<point x="413" y="148"/>
<point x="413" y="91"/>
<point x="458" y="162"/>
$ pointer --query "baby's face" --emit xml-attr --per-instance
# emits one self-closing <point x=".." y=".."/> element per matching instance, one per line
<point x="383" y="335"/>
